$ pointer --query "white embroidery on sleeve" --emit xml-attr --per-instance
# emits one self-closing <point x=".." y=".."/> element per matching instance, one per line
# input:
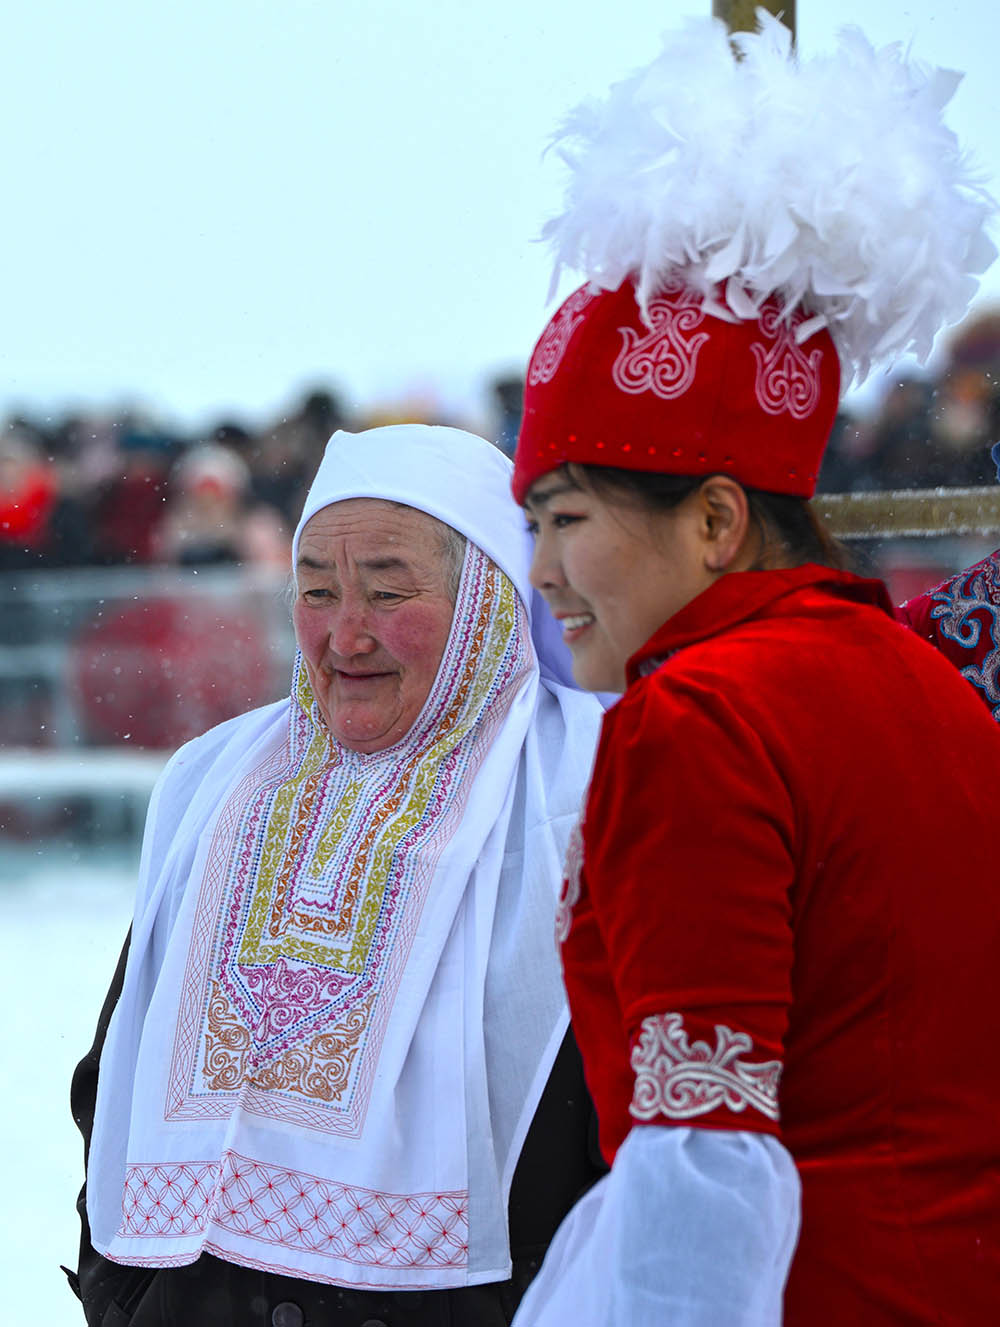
<point x="680" y="1080"/>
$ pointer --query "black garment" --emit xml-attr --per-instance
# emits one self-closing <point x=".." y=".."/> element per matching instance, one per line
<point x="559" y="1161"/>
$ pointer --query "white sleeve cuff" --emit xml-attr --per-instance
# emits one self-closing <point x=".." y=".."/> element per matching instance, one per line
<point x="692" y="1228"/>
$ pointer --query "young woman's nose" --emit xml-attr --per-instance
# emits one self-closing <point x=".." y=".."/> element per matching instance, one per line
<point x="546" y="572"/>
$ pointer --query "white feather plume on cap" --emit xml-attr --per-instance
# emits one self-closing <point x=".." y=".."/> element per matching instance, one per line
<point x="832" y="182"/>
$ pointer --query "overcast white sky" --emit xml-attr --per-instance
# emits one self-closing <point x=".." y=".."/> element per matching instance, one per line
<point x="212" y="203"/>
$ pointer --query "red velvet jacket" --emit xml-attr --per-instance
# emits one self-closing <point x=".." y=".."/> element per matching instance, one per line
<point x="784" y="918"/>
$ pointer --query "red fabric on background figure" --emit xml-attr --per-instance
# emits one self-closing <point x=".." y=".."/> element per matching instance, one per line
<point x="961" y="618"/>
<point x="28" y="493"/>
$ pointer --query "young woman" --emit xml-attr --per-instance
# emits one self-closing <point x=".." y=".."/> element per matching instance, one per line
<point x="779" y="919"/>
<point x="778" y="934"/>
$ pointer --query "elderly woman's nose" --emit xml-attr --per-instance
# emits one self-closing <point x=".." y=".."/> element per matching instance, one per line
<point x="350" y="629"/>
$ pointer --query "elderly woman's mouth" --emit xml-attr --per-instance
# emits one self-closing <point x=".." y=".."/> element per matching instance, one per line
<point x="342" y="675"/>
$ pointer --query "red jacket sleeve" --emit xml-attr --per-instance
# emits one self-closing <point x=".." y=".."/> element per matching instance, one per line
<point x="690" y="860"/>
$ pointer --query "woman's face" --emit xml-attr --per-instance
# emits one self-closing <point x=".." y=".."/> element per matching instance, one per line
<point x="372" y="615"/>
<point x="612" y="573"/>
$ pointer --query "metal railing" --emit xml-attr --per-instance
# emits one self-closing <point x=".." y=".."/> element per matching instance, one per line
<point x="146" y="656"/>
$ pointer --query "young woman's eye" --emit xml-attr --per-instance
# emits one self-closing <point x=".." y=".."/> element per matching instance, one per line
<point x="561" y="519"/>
<point x="532" y="527"/>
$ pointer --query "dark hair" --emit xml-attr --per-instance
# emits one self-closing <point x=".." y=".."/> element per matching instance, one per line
<point x="790" y="530"/>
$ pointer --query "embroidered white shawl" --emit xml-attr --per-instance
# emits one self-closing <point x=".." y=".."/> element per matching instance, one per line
<point x="342" y="999"/>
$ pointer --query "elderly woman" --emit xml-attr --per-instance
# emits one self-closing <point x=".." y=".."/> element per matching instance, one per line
<point x="341" y="1007"/>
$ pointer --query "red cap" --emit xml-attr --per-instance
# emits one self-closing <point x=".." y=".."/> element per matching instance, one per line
<point x="687" y="394"/>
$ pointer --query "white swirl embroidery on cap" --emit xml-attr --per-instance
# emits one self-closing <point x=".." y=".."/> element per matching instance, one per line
<point x="787" y="378"/>
<point x="664" y="360"/>
<point x="553" y="342"/>
<point x="680" y="1079"/>
<point x="569" y="894"/>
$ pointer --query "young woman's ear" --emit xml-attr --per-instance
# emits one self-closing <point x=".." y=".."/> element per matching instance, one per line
<point x="726" y="526"/>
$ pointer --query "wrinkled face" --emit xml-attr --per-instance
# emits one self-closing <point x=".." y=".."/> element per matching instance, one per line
<point x="373" y="610"/>
<point x="612" y="574"/>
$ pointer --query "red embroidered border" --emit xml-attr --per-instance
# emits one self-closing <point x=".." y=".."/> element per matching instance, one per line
<point x="297" y="1211"/>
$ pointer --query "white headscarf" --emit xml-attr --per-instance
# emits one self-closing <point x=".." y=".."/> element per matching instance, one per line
<point x="342" y="1000"/>
<point x="457" y="477"/>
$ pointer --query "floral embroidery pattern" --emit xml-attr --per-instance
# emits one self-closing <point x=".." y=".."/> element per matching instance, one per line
<point x="569" y="893"/>
<point x="663" y="361"/>
<point x="319" y="1069"/>
<point x="787" y="378"/>
<point x="963" y="607"/>
<point x="680" y="1080"/>
<point x="315" y="882"/>
<point x="551" y="347"/>
<point x="293" y="1210"/>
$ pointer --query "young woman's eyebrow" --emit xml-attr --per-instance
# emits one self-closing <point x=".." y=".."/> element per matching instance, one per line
<point x="539" y="499"/>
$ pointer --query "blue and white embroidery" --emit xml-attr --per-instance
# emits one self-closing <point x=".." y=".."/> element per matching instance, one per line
<point x="962" y="608"/>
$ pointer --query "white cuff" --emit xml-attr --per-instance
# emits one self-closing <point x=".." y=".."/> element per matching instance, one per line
<point x="692" y="1228"/>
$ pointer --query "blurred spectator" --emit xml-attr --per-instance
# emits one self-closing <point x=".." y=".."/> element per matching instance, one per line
<point x="898" y="438"/>
<point x="508" y="401"/>
<point x="284" y="456"/>
<point x="229" y="434"/>
<point x="937" y="433"/>
<point x="845" y="457"/>
<point x="976" y="343"/>
<point x="131" y="504"/>
<point x="211" y="517"/>
<point x="960" y="426"/>
<point x="42" y="521"/>
<point x="27" y="497"/>
<point x="322" y="414"/>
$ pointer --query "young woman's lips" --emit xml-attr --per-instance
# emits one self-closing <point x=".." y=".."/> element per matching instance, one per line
<point x="574" y="625"/>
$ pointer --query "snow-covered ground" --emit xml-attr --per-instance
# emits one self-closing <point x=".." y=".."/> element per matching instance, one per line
<point x="62" y="922"/>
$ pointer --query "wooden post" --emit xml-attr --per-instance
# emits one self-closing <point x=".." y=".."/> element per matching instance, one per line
<point x="911" y="513"/>
<point x="739" y="15"/>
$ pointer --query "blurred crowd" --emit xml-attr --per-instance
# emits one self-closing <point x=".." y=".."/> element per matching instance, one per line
<point x="118" y="490"/>
<point x="153" y="662"/>
<point x="124" y="489"/>
<point x="928" y="432"/>
<point x="103" y="490"/>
